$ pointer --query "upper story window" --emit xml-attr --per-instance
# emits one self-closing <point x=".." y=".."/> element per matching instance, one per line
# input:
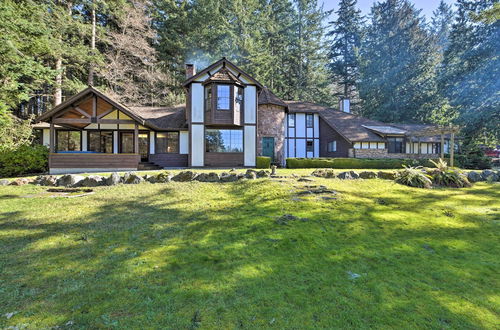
<point x="332" y="146"/>
<point x="309" y="120"/>
<point x="291" y="120"/>
<point x="223" y="97"/>
<point x="239" y="98"/>
<point x="208" y="98"/>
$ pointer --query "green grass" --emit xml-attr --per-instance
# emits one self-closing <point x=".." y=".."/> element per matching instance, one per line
<point x="186" y="255"/>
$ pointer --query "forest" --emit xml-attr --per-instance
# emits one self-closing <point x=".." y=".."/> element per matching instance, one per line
<point x="394" y="64"/>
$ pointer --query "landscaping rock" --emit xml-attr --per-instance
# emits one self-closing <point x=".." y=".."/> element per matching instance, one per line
<point x="305" y="180"/>
<point x="208" y="177"/>
<point x="4" y="182"/>
<point x="368" y="175"/>
<point x="228" y="177"/>
<point x="251" y="174"/>
<point x="263" y="174"/>
<point x="185" y="176"/>
<point x="20" y="182"/>
<point x="69" y="180"/>
<point x="132" y="178"/>
<point x="386" y="175"/>
<point x="46" y="180"/>
<point x="489" y="175"/>
<point x="163" y="177"/>
<point x="348" y="175"/>
<point x="474" y="177"/>
<point x="273" y="170"/>
<point x="93" y="181"/>
<point x="113" y="179"/>
<point x="323" y="173"/>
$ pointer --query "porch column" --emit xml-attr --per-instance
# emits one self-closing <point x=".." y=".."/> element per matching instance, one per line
<point x="136" y="138"/>
<point x="52" y="136"/>
<point x="442" y="145"/>
<point x="452" y="149"/>
<point x="152" y="142"/>
<point x="84" y="140"/>
<point x="115" y="142"/>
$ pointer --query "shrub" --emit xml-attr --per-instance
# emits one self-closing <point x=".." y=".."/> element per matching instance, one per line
<point x="263" y="162"/>
<point x="446" y="177"/>
<point x="473" y="157"/>
<point x="24" y="160"/>
<point x="413" y="177"/>
<point x="354" y="163"/>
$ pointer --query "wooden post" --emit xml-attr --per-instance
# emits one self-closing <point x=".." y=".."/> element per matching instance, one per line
<point x="419" y="147"/>
<point x="136" y="138"/>
<point x="452" y="148"/>
<point x="52" y="136"/>
<point x="442" y="145"/>
<point x="94" y="107"/>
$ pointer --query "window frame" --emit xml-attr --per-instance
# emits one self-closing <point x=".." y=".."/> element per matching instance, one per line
<point x="67" y="130"/>
<point x="207" y="149"/>
<point x="291" y="115"/>
<point x="167" y="144"/>
<point x="309" y="143"/>
<point x="311" y="117"/>
<point x="229" y="108"/>
<point x="89" y="132"/>
<point x="396" y="141"/>
<point x="208" y="100"/>
<point x="331" y="143"/>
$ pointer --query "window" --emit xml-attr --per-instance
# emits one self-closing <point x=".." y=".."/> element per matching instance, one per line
<point x="167" y="142"/>
<point x="100" y="141"/>
<point x="208" y="98"/>
<point x="332" y="146"/>
<point x="127" y="142"/>
<point x="37" y="137"/>
<point x="224" y="140"/>
<point x="68" y="141"/>
<point x="395" y="145"/>
<point x="291" y="120"/>
<point x="239" y="99"/>
<point x="223" y="97"/>
<point x="309" y="120"/>
<point x="309" y="146"/>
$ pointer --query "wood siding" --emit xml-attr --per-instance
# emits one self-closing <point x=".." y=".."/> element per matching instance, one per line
<point x="328" y="134"/>
<point x="169" y="160"/>
<point x="224" y="159"/>
<point x="93" y="160"/>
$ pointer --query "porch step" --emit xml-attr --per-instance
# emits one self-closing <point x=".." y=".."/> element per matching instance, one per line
<point x="148" y="166"/>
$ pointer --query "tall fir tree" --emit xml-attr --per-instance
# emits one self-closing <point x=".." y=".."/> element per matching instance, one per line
<point x="346" y="33"/>
<point x="441" y="22"/>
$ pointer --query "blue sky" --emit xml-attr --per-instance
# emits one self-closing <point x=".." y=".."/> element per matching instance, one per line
<point x="427" y="6"/>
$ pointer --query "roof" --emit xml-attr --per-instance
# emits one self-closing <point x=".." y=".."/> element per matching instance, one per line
<point x="163" y="118"/>
<point x="223" y="61"/>
<point x="223" y="75"/>
<point x="386" y="130"/>
<point x="351" y="127"/>
<point x="299" y="106"/>
<point x="267" y="97"/>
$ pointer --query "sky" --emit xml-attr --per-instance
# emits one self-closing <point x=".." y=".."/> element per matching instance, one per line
<point x="427" y="6"/>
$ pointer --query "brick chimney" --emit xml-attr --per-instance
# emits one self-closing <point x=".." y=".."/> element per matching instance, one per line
<point x="190" y="70"/>
<point x="345" y="105"/>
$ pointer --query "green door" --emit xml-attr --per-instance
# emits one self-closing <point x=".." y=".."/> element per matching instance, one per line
<point x="268" y="147"/>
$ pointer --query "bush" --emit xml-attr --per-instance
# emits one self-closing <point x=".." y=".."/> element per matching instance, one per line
<point x="472" y="157"/>
<point x="446" y="177"/>
<point x="413" y="177"/>
<point x="354" y="163"/>
<point x="263" y="162"/>
<point x="24" y="160"/>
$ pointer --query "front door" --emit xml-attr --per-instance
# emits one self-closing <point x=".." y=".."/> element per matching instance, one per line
<point x="144" y="146"/>
<point x="268" y="147"/>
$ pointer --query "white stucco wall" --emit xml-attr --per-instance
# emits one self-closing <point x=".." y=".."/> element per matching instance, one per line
<point x="250" y="104"/>
<point x="115" y="142"/>
<point x="46" y="137"/>
<point x="249" y="144"/>
<point x="197" y="103"/>
<point x="197" y="145"/>
<point x="184" y="142"/>
<point x="152" y="142"/>
<point x="84" y="140"/>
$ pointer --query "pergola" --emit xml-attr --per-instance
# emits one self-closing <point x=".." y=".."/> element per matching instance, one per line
<point x="440" y="130"/>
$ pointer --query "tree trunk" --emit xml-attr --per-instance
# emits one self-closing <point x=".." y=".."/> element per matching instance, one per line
<point x="92" y="48"/>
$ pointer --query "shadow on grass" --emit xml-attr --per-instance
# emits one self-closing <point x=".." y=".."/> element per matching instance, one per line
<point x="211" y="255"/>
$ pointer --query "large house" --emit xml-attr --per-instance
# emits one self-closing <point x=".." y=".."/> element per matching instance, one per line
<point x="228" y="120"/>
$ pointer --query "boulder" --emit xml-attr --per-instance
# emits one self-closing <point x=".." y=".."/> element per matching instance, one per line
<point x="149" y="178"/>
<point x="69" y="180"/>
<point x="229" y="177"/>
<point x="208" y="177"/>
<point x="368" y="175"/>
<point x="185" y="176"/>
<point x="113" y="179"/>
<point x="273" y="170"/>
<point x="4" y="182"/>
<point x="324" y="173"/>
<point x="474" y="177"/>
<point x="386" y="175"/>
<point x="251" y="174"/>
<point x="489" y="175"/>
<point x="163" y="177"/>
<point x="348" y="175"/>
<point x="20" y="182"/>
<point x="46" y="180"/>
<point x="132" y="178"/>
<point x="263" y="174"/>
<point x="93" y="181"/>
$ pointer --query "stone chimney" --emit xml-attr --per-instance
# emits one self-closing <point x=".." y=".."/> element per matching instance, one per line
<point x="190" y="70"/>
<point x="345" y="105"/>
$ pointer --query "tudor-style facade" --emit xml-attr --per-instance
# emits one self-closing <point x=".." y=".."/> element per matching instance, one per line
<point x="228" y="120"/>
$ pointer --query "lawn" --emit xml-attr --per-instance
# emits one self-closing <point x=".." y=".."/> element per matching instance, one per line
<point x="209" y="255"/>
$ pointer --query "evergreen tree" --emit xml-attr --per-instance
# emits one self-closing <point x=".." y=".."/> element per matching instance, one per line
<point x="398" y="65"/>
<point x="441" y="24"/>
<point x="344" y="50"/>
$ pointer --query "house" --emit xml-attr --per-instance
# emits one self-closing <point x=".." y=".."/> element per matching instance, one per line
<point x="228" y="120"/>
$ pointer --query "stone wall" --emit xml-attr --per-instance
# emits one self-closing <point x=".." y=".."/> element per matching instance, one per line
<point x="382" y="153"/>
<point x="271" y="123"/>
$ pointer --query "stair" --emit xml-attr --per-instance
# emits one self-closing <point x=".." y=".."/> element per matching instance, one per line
<point x="148" y="166"/>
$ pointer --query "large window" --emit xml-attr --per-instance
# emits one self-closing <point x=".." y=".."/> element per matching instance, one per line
<point x="332" y="146"/>
<point x="309" y="146"/>
<point x="68" y="141"/>
<point x="309" y="120"/>
<point x="395" y="145"/>
<point x="127" y="142"/>
<point x="100" y="141"/>
<point x="167" y="142"/>
<point x="224" y="140"/>
<point x="208" y="98"/>
<point x="223" y="97"/>
<point x="291" y="120"/>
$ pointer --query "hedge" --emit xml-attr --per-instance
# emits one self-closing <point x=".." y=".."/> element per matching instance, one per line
<point x="24" y="160"/>
<point x="355" y="163"/>
<point x="263" y="162"/>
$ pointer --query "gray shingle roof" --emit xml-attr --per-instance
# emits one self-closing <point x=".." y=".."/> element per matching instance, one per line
<point x="267" y="97"/>
<point x="173" y="117"/>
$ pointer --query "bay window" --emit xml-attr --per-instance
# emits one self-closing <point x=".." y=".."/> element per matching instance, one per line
<point x="223" y="97"/>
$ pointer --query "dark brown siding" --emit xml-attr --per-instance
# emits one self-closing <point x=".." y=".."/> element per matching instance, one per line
<point x="93" y="160"/>
<point x="224" y="159"/>
<point x="328" y="134"/>
<point x="169" y="160"/>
